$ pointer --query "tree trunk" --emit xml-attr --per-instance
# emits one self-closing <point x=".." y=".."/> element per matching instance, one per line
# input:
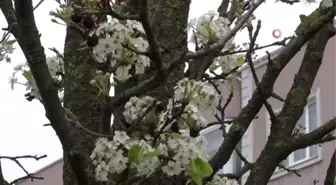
<point x="169" y="24"/>
<point x="80" y="95"/>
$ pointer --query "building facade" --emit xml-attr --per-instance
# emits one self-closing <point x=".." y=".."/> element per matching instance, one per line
<point x="312" y="162"/>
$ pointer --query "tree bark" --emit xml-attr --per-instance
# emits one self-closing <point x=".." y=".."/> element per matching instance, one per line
<point x="331" y="172"/>
<point x="81" y="98"/>
<point x="80" y="95"/>
<point x="169" y="20"/>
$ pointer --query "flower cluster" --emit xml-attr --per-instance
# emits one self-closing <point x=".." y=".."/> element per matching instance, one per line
<point x="124" y="41"/>
<point x="172" y="156"/>
<point x="101" y="81"/>
<point x="198" y="93"/>
<point x="185" y="149"/>
<point x="209" y="27"/>
<point x="56" y="68"/>
<point x="136" y="107"/>
<point x="6" y="48"/>
<point x="216" y="180"/>
<point x="108" y="158"/>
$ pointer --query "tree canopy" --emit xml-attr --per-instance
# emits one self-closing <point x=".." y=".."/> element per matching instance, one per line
<point x="139" y="48"/>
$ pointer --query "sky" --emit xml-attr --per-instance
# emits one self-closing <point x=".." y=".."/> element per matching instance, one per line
<point x="21" y="122"/>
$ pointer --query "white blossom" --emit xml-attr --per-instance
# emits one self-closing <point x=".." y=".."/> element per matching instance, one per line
<point x="136" y="107"/>
<point x="115" y="38"/>
<point x="216" y="180"/>
<point x="147" y="167"/>
<point x="120" y="136"/>
<point x="122" y="73"/>
<point x="210" y="27"/>
<point x="172" y="168"/>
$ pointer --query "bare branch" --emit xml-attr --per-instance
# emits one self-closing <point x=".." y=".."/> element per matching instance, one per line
<point x="254" y="74"/>
<point x="153" y="45"/>
<point x="240" y="173"/>
<point x="315" y="136"/>
<point x="28" y="175"/>
<point x="38" y="4"/>
<point x="277" y="43"/>
<point x="289" y="170"/>
<point x="222" y="9"/>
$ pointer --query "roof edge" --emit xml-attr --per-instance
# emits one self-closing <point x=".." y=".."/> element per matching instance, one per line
<point x="43" y="169"/>
<point x="260" y="61"/>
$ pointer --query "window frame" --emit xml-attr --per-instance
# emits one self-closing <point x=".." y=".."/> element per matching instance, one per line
<point x="211" y="129"/>
<point x="313" y="98"/>
<point x="291" y="161"/>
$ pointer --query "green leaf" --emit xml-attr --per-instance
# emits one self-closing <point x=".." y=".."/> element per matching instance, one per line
<point x="154" y="153"/>
<point x="193" y="167"/>
<point x="203" y="167"/>
<point x="240" y="61"/>
<point x="28" y="75"/>
<point x="196" y="178"/>
<point x="10" y="42"/>
<point x="213" y="67"/>
<point x="136" y="154"/>
<point x="194" y="173"/>
<point x="198" y="169"/>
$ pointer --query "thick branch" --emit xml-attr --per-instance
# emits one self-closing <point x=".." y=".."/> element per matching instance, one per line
<point x="315" y="135"/>
<point x="297" y="97"/>
<point x="9" y="13"/>
<point x="331" y="172"/>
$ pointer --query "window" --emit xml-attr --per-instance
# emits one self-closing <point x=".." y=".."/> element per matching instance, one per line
<point x="309" y="121"/>
<point x="214" y="138"/>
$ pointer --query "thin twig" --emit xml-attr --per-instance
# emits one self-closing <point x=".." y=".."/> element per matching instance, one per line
<point x="153" y="45"/>
<point x="38" y="4"/>
<point x="28" y="175"/>
<point x="289" y="170"/>
<point x="254" y="74"/>
<point x="277" y="43"/>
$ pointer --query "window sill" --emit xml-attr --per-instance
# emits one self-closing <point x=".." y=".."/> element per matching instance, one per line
<point x="298" y="166"/>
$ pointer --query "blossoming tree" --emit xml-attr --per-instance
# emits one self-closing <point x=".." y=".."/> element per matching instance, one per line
<point x="139" y="49"/>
